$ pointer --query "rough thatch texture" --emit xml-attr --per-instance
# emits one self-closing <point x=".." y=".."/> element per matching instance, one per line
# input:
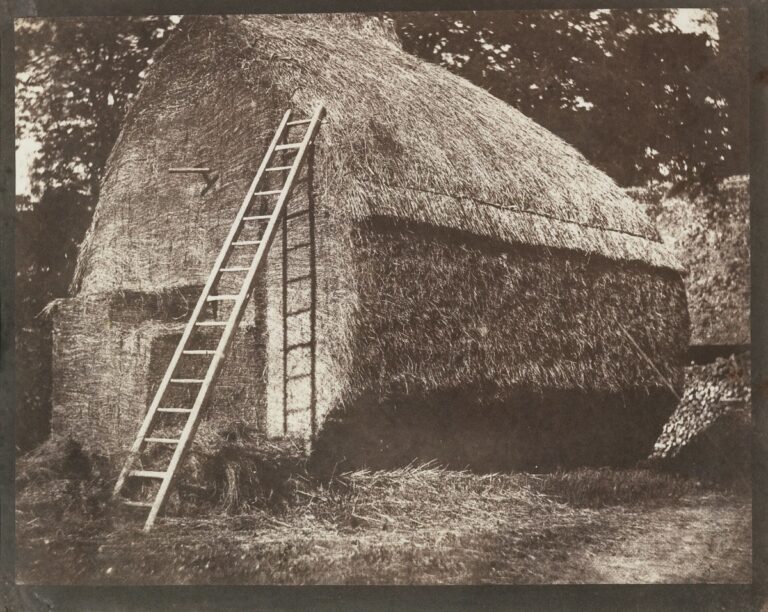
<point x="457" y="248"/>
<point x="408" y="139"/>
<point x="109" y="354"/>
<point x="447" y="336"/>
<point x="449" y="309"/>
<point x="710" y="235"/>
<point x="402" y="138"/>
<point x="417" y="326"/>
<point x="153" y="230"/>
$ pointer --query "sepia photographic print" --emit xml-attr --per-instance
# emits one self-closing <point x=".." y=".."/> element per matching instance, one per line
<point x="413" y="298"/>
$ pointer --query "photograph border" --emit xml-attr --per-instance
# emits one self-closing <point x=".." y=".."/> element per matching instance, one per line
<point x="524" y="597"/>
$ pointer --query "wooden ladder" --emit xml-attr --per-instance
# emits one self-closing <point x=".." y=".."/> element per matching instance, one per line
<point x="188" y="418"/>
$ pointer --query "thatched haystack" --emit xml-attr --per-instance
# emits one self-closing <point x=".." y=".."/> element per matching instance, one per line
<point x="462" y="274"/>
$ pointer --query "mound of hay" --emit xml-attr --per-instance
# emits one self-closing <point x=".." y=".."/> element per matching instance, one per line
<point x="230" y="470"/>
<point x="238" y="468"/>
<point x="442" y="243"/>
<point x="60" y="481"/>
<point x="110" y="352"/>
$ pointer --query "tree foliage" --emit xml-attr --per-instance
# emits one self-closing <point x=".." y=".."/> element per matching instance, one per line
<point x="75" y="79"/>
<point x="640" y="98"/>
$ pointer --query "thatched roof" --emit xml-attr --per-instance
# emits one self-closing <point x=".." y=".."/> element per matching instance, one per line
<point x="403" y="138"/>
<point x="710" y="235"/>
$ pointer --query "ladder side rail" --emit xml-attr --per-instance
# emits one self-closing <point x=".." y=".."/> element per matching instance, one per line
<point x="201" y="302"/>
<point x="237" y="312"/>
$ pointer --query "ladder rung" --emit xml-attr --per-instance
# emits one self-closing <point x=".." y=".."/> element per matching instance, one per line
<point x="298" y="213"/>
<point x="147" y="474"/>
<point x="290" y="347"/>
<point x="221" y="298"/>
<point x="297" y="376"/>
<point x="137" y="504"/>
<point x="296" y="247"/>
<point x="162" y="440"/>
<point x="296" y="279"/>
<point x="293" y="313"/>
<point x="261" y="237"/>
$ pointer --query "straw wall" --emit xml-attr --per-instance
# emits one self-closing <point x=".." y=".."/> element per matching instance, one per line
<point x="109" y="353"/>
<point x="432" y="342"/>
<point x="467" y="350"/>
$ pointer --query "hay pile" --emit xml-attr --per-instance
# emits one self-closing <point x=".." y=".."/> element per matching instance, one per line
<point x="402" y="138"/>
<point x="418" y="496"/>
<point x="459" y="246"/>
<point x="231" y="470"/>
<point x="237" y="468"/>
<point x="110" y="352"/>
<point x="709" y="432"/>
<point x="58" y="481"/>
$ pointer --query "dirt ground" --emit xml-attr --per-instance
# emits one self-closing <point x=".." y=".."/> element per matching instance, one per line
<point x="414" y="526"/>
<point x="709" y="543"/>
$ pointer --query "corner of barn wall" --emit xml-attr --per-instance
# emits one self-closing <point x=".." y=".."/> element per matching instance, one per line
<point x="154" y="232"/>
<point x="306" y="384"/>
<point x="110" y="352"/>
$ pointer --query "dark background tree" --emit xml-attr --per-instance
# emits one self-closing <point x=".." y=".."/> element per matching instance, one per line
<point x="640" y="98"/>
<point x="643" y="100"/>
<point x="75" y="80"/>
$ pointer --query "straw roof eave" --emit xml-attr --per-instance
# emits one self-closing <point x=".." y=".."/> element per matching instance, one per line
<point x="395" y="122"/>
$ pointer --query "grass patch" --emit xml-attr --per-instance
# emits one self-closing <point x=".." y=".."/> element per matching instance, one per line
<point x="598" y="488"/>
<point x="418" y="524"/>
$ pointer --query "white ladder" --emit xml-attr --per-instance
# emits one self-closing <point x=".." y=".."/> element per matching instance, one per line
<point x="190" y="416"/>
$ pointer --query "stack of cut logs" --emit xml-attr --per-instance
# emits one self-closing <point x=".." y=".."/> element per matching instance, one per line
<point x="711" y="391"/>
